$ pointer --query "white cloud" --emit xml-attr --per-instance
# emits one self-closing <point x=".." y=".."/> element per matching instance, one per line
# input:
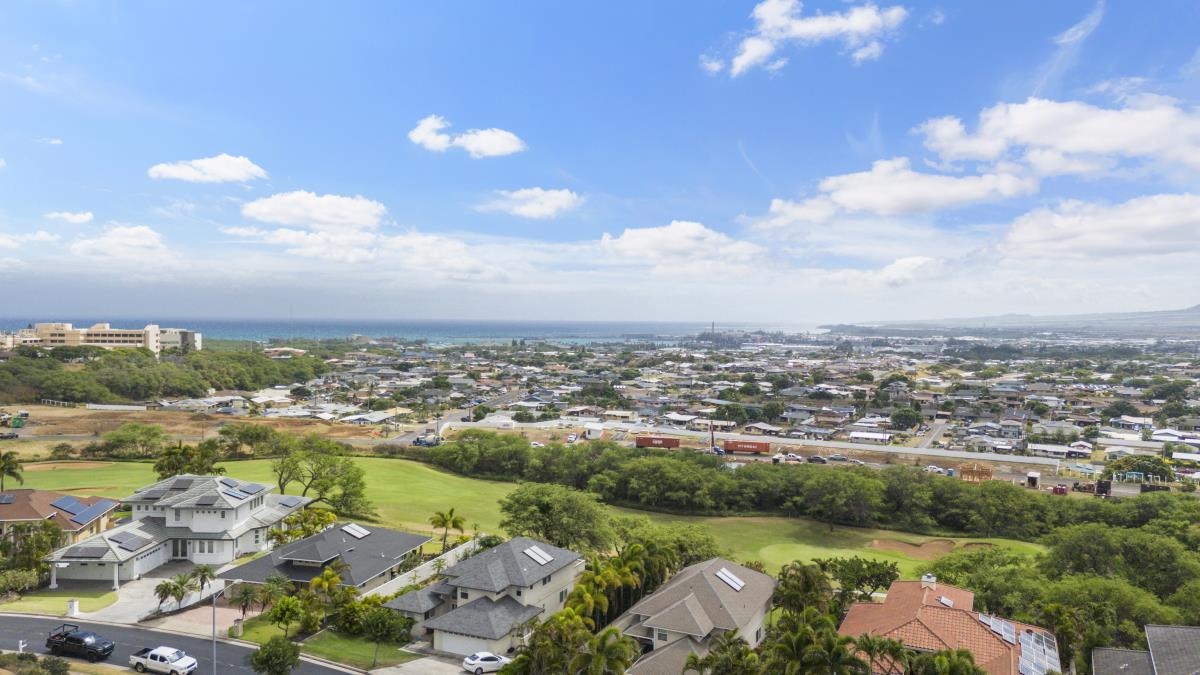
<point x="16" y="240"/>
<point x="680" y="242"/>
<point x="711" y="65"/>
<point x="75" y="218"/>
<point x="1151" y="225"/>
<point x="124" y="243"/>
<point x="1150" y="127"/>
<point x="220" y="169"/>
<point x="1068" y="43"/>
<point x="429" y="134"/>
<point x="319" y="212"/>
<point x="533" y="202"/>
<point x="3" y="163"/>
<point x="937" y="17"/>
<point x="860" y="29"/>
<point x="49" y="141"/>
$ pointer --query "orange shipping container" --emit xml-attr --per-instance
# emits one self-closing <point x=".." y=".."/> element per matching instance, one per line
<point x="761" y="447"/>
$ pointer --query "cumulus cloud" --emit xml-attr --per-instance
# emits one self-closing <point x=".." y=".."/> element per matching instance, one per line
<point x="711" y="65"/>
<point x="1148" y="128"/>
<point x="3" y="163"/>
<point x="430" y="134"/>
<point x="73" y="217"/>
<point x="680" y="241"/>
<point x="124" y="243"/>
<point x="861" y="30"/>
<point x="1150" y="225"/>
<point x="319" y="212"/>
<point x="220" y="169"/>
<point x="16" y="240"/>
<point x="532" y="202"/>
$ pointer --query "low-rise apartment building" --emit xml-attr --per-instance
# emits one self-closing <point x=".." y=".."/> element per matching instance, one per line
<point x="103" y="335"/>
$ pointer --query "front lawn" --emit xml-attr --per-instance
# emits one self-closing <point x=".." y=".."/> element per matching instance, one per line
<point x="54" y="603"/>
<point x="354" y="651"/>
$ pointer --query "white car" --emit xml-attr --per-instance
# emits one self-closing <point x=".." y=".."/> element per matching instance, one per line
<point x="535" y="444"/>
<point x="932" y="468"/>
<point x="484" y="662"/>
<point x="793" y="457"/>
<point x="572" y="438"/>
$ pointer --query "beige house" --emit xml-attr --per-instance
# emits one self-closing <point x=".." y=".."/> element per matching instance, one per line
<point x="691" y="610"/>
<point x="488" y="601"/>
<point x="77" y="517"/>
<point x="104" y="335"/>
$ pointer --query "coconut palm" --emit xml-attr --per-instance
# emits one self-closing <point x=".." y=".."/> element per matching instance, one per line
<point x="244" y="597"/>
<point x="165" y="590"/>
<point x="10" y="467"/>
<point x="802" y="586"/>
<point x="730" y="655"/>
<point x="203" y="575"/>
<point x="945" y="662"/>
<point x="833" y="654"/>
<point x="275" y="588"/>
<point x="607" y="653"/>
<point x="884" y="655"/>
<point x="326" y="585"/>
<point x="182" y="584"/>
<point x="448" y="520"/>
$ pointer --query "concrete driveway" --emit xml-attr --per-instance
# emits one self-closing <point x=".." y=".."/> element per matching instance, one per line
<point x="136" y="599"/>
<point x="430" y="665"/>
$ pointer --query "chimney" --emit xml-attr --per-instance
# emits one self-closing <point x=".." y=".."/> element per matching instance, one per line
<point x="928" y="581"/>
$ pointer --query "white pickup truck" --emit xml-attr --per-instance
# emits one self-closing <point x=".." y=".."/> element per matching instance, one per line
<point x="164" y="660"/>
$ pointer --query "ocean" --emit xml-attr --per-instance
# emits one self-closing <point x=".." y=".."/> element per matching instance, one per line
<point x="433" y="331"/>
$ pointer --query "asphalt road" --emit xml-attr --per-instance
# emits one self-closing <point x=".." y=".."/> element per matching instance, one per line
<point x="231" y="659"/>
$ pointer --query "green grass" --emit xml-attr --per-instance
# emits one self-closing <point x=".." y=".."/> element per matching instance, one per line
<point x="406" y="493"/>
<point x="54" y="603"/>
<point x="331" y="645"/>
<point x="354" y="651"/>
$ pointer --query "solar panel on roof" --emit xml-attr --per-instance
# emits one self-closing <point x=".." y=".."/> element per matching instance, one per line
<point x="87" y="551"/>
<point x="135" y="542"/>
<point x="229" y="482"/>
<point x="121" y="536"/>
<point x="289" y="502"/>
<point x="537" y="555"/>
<point x="154" y="494"/>
<point x="730" y="578"/>
<point x="236" y="494"/>
<point x="92" y="512"/>
<point x="252" y="488"/>
<point x="6" y="499"/>
<point x="356" y="531"/>
<point x="206" y="500"/>
<point x="69" y="504"/>
<point x="182" y="483"/>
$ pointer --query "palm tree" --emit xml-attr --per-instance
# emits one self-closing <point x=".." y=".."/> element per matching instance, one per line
<point x="607" y="653"/>
<point x="203" y="574"/>
<point x="833" y="654"/>
<point x="165" y="590"/>
<point x="275" y="588"/>
<point x="244" y="597"/>
<point x="884" y="655"/>
<point x="448" y="520"/>
<point x="730" y="655"/>
<point x="326" y="585"/>
<point x="182" y="584"/>
<point x="802" y="586"/>
<point x="945" y="662"/>
<point x="10" y="467"/>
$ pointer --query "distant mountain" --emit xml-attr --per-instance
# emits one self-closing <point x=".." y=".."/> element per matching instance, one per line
<point x="1167" y="322"/>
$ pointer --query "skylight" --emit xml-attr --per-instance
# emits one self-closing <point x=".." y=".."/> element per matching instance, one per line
<point x="538" y="555"/>
<point x="730" y="578"/>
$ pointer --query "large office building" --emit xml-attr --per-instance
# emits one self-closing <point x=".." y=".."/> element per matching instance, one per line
<point x="103" y="335"/>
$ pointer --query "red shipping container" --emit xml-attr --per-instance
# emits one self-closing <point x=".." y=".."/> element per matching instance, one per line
<point x="657" y="442"/>
<point x="761" y="447"/>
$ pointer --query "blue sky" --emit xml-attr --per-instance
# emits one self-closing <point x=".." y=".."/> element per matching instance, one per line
<point x="775" y="161"/>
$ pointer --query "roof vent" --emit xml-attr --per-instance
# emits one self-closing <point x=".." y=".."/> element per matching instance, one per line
<point x="928" y="581"/>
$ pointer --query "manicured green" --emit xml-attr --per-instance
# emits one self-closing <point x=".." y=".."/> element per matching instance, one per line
<point x="258" y="629"/>
<point x="354" y="651"/>
<point x="54" y="603"/>
<point x="407" y="493"/>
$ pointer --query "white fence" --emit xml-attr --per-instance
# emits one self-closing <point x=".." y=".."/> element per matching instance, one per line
<point x="426" y="570"/>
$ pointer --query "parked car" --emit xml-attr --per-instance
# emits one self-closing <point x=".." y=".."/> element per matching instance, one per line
<point x="839" y="458"/>
<point x="535" y="444"/>
<point x="858" y="462"/>
<point x="571" y="438"/>
<point x="933" y="468"/>
<point x="484" y="662"/>
<point x="793" y="457"/>
<point x="817" y="459"/>
<point x="9" y="435"/>
<point x="69" y="640"/>
<point x="165" y="660"/>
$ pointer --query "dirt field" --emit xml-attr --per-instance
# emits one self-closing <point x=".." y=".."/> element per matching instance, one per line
<point x="53" y="466"/>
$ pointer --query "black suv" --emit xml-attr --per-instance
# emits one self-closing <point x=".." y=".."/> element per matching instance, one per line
<point x="68" y="640"/>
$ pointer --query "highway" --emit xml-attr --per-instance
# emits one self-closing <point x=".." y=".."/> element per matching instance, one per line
<point x="231" y="659"/>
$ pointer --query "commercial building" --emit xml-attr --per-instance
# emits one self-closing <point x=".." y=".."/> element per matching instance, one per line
<point x="103" y="335"/>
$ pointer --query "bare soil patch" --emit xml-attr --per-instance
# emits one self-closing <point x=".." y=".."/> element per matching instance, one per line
<point x="54" y="466"/>
<point x="929" y="550"/>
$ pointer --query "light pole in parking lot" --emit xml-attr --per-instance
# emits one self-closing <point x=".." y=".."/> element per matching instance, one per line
<point x="215" y="595"/>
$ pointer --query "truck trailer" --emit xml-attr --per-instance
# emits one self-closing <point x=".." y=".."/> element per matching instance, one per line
<point x="656" y="442"/>
<point x="756" y="447"/>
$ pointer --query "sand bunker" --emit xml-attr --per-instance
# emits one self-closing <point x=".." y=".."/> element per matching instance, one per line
<point x="54" y="466"/>
<point x="930" y="550"/>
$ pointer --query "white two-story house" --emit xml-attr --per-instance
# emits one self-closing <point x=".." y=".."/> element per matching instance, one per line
<point x="203" y="519"/>
<point x="486" y="602"/>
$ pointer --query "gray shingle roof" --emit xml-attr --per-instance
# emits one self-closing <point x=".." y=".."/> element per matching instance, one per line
<point x="695" y="599"/>
<point x="1107" y="661"/>
<point x="485" y="618"/>
<point x="418" y="602"/>
<point x="507" y="565"/>
<point x="188" y="489"/>
<point x="1175" y="650"/>
<point x="367" y="557"/>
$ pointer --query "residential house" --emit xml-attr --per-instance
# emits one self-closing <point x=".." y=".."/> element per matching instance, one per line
<point x="77" y="517"/>
<point x="700" y="603"/>
<point x="203" y="519"/>
<point x="928" y="616"/>
<point x="1131" y="423"/>
<point x="486" y="602"/>
<point x="364" y="557"/>
<point x="1170" y="650"/>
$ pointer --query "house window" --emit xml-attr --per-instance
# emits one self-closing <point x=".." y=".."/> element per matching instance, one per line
<point x="546" y="581"/>
<point x="662" y="636"/>
<point x="176" y="514"/>
<point x="429" y="614"/>
<point x="562" y="595"/>
<point x="463" y="595"/>
<point x="758" y="635"/>
<point x="222" y="515"/>
<point x="518" y="592"/>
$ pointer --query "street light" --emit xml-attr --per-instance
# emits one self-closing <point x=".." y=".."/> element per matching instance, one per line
<point x="217" y="594"/>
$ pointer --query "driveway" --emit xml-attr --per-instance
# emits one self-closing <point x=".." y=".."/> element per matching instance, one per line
<point x="430" y="665"/>
<point x="136" y="599"/>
